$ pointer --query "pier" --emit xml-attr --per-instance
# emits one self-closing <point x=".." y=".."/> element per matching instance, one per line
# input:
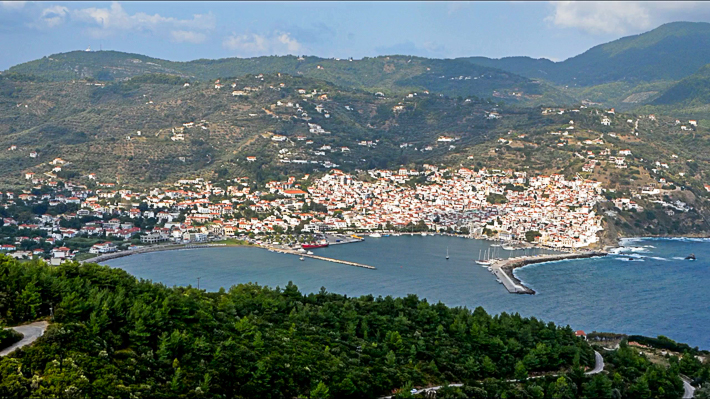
<point x="344" y="262"/>
<point x="503" y="269"/>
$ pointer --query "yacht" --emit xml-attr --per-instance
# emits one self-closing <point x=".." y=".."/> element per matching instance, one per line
<point x="375" y="235"/>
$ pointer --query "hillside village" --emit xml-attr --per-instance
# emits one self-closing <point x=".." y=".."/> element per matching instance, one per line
<point x="499" y="204"/>
<point x="560" y="210"/>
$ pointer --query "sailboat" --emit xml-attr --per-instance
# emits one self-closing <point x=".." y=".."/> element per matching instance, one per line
<point x="484" y="262"/>
<point x="447" y="253"/>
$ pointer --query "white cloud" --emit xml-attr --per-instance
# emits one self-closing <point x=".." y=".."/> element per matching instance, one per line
<point x="52" y="16"/>
<point x="623" y="17"/>
<point x="105" y="22"/>
<point x="12" y="5"/>
<point x="187" y="36"/>
<point x="250" y="44"/>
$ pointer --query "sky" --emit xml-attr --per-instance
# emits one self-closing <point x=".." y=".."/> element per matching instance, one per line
<point x="183" y="31"/>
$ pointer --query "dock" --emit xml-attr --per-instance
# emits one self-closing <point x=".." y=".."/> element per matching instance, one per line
<point x="323" y="258"/>
<point x="503" y="269"/>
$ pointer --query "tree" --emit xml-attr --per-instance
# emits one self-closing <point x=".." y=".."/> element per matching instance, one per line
<point x="703" y="392"/>
<point x="321" y="391"/>
<point x="521" y="372"/>
<point x="599" y="387"/>
<point x="531" y="235"/>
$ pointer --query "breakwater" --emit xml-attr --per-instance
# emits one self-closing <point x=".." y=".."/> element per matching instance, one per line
<point x="503" y="269"/>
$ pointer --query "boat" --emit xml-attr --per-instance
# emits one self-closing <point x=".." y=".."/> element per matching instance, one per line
<point x="447" y="253"/>
<point x="302" y="258"/>
<point x="495" y="245"/>
<point x="484" y="262"/>
<point x="375" y="235"/>
<point x="498" y="280"/>
<point x="690" y="257"/>
<point x="509" y="248"/>
<point x="423" y="234"/>
<point x="314" y="245"/>
<point x="309" y="253"/>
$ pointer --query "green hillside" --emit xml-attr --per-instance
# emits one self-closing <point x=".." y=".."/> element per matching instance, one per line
<point x="669" y="52"/>
<point x="95" y="126"/>
<point x="389" y="74"/>
<point x="115" y="336"/>
<point x="691" y="91"/>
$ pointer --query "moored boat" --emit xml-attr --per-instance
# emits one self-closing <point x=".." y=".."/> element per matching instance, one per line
<point x="314" y="245"/>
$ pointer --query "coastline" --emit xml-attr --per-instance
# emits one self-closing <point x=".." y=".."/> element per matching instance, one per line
<point x="158" y="248"/>
<point x="504" y="269"/>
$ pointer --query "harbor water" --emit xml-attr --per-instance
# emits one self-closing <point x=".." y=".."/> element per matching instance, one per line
<point x="647" y="288"/>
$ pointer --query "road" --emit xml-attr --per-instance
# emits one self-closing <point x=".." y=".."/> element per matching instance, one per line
<point x="30" y="331"/>
<point x="689" y="389"/>
<point x="598" y="364"/>
<point x="598" y="368"/>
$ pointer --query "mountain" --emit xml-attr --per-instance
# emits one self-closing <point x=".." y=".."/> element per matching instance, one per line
<point x="690" y="91"/>
<point x="669" y="52"/>
<point x="134" y="130"/>
<point x="389" y="74"/>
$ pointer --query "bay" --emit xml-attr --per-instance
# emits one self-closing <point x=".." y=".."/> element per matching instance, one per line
<point x="647" y="289"/>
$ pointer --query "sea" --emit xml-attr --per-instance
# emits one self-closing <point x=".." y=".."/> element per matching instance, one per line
<point x="645" y="287"/>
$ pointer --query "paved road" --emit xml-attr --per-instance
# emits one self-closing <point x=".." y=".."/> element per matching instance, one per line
<point x="598" y="368"/>
<point x="598" y="364"/>
<point x="689" y="389"/>
<point x="30" y="331"/>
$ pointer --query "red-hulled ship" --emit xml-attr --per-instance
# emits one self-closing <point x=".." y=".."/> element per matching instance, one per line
<point x="314" y="245"/>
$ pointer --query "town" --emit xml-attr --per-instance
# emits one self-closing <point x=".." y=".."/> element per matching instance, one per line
<point x="60" y="220"/>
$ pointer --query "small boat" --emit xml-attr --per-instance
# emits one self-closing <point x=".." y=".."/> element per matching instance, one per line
<point x="302" y="258"/>
<point x="509" y="248"/>
<point x="498" y="280"/>
<point x="309" y="253"/>
<point x="495" y="245"/>
<point x="690" y="257"/>
<point x="423" y="234"/>
<point x="375" y="235"/>
<point x="447" y="253"/>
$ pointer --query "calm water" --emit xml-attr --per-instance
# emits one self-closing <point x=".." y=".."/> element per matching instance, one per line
<point x="656" y="293"/>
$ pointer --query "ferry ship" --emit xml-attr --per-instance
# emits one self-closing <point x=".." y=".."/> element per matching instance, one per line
<point x="314" y="245"/>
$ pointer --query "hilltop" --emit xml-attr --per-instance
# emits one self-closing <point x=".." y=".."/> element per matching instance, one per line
<point x="625" y="72"/>
<point x="389" y="74"/>
<point x="670" y="52"/>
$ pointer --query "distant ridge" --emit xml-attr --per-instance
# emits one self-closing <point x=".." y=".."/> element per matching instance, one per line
<point x="670" y="52"/>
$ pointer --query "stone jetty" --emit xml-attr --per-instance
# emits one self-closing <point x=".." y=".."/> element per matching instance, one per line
<point x="503" y="269"/>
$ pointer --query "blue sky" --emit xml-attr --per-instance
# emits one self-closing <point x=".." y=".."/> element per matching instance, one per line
<point x="190" y="30"/>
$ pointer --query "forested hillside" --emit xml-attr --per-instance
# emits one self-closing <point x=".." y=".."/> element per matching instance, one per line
<point x="114" y="336"/>
<point x="623" y="73"/>
<point x="669" y="52"/>
<point x="152" y="128"/>
<point x="389" y="74"/>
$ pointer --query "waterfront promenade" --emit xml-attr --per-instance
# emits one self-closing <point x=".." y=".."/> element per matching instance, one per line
<point x="503" y="269"/>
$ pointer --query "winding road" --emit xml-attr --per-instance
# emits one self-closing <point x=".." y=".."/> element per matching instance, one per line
<point x="598" y="368"/>
<point x="689" y="389"/>
<point x="30" y="334"/>
<point x="598" y="364"/>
